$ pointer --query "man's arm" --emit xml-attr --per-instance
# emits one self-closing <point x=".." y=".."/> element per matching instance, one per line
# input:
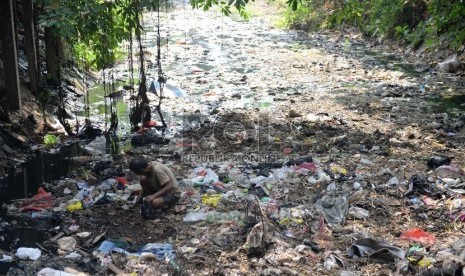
<point x="168" y="187"/>
<point x="143" y="183"/>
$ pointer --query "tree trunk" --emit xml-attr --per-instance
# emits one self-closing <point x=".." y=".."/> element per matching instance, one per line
<point x="10" y="55"/>
<point x="52" y="56"/>
<point x="29" y="41"/>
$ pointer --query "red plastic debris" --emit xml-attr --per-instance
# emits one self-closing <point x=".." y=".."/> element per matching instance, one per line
<point x="36" y="207"/>
<point x="41" y="200"/>
<point x="186" y="145"/>
<point x="418" y="235"/>
<point x="308" y="166"/>
<point x="122" y="180"/>
<point x="427" y="200"/>
<point x="202" y="173"/>
<point x="150" y="124"/>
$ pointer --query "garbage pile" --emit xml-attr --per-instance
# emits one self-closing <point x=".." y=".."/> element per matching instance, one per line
<point x="339" y="206"/>
<point x="314" y="213"/>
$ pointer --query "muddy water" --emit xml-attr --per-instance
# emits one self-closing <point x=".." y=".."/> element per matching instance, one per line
<point x="25" y="233"/>
<point x="40" y="168"/>
<point x="100" y="110"/>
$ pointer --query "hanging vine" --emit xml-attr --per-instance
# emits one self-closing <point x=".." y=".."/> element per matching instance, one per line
<point x="161" y="76"/>
<point x="110" y="135"/>
<point x="113" y="110"/>
<point x="141" y="112"/>
<point x="131" y="66"/>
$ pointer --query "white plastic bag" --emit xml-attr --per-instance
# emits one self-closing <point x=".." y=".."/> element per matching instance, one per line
<point x="26" y="253"/>
<point x="53" y="272"/>
<point x="196" y="216"/>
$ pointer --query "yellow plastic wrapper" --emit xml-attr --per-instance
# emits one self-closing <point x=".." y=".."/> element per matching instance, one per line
<point x="286" y="221"/>
<point x="339" y="170"/>
<point x="211" y="200"/>
<point x="425" y="262"/>
<point x="74" y="206"/>
<point x="308" y="141"/>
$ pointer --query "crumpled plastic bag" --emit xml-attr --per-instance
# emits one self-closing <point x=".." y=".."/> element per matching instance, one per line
<point x="66" y="244"/>
<point x="377" y="251"/>
<point x="451" y="64"/>
<point x="449" y="171"/>
<point x="98" y="146"/>
<point x="26" y="253"/>
<point x="53" y="272"/>
<point x="5" y="259"/>
<point x="204" y="176"/>
<point x="255" y="237"/>
<point x="334" y="209"/>
<point x="161" y="250"/>
<point x="196" y="216"/>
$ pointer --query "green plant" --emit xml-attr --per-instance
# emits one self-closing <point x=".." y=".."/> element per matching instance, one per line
<point x="93" y="28"/>
<point x="51" y="140"/>
<point x="96" y="28"/>
<point x="352" y="12"/>
<point x="402" y="32"/>
<point x="224" y="6"/>
<point x="299" y="17"/>
<point x="447" y="21"/>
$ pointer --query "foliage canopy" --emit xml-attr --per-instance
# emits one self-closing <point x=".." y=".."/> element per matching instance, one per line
<point x="95" y="29"/>
<point x="416" y="22"/>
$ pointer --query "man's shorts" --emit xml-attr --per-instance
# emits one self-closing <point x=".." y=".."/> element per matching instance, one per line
<point x="170" y="199"/>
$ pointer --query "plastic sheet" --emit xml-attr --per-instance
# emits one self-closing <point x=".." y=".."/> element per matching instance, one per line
<point x="204" y="176"/>
<point x="161" y="250"/>
<point x="376" y="251"/>
<point x="195" y="216"/>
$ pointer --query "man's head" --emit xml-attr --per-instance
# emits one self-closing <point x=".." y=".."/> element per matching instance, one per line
<point x="138" y="165"/>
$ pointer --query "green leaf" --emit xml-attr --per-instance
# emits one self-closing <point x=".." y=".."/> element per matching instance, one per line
<point x="293" y="4"/>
